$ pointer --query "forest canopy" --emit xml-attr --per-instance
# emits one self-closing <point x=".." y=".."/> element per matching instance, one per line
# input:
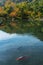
<point x="30" y="10"/>
<point x="20" y="16"/>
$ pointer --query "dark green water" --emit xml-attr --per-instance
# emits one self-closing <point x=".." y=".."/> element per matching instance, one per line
<point x="23" y="26"/>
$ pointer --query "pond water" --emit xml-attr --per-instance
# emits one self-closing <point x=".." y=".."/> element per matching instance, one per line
<point x="15" y="45"/>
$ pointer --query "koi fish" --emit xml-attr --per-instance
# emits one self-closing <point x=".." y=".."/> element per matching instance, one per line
<point x="21" y="58"/>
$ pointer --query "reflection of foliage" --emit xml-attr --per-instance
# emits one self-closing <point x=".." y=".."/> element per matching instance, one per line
<point x="22" y="17"/>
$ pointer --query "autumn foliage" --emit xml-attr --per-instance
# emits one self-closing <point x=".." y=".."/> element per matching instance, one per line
<point x="22" y="10"/>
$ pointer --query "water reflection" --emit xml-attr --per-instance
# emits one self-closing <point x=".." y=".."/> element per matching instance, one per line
<point x="15" y="45"/>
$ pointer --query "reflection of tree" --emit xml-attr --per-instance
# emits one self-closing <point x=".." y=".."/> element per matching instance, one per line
<point x="22" y="11"/>
<point x="24" y="27"/>
<point x="39" y="35"/>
